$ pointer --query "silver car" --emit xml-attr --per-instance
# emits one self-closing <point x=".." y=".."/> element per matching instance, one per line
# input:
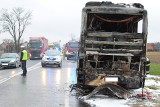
<point x="9" y="60"/>
<point x="52" y="57"/>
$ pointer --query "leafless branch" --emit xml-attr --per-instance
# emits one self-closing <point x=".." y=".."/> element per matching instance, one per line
<point x="15" y="23"/>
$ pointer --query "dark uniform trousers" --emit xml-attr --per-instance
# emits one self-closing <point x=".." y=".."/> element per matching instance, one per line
<point x="24" y="67"/>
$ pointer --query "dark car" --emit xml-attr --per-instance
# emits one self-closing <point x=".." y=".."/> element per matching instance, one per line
<point x="9" y="60"/>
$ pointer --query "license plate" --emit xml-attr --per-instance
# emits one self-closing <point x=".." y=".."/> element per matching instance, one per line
<point x="111" y="79"/>
<point x="4" y="63"/>
<point x="51" y="62"/>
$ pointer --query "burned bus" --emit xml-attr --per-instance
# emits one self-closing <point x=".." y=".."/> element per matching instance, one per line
<point x="113" y="44"/>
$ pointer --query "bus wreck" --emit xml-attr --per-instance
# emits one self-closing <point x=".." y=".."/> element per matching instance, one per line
<point x="112" y="45"/>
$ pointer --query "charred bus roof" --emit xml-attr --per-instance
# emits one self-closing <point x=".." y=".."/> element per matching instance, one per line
<point x="114" y="15"/>
<point x="111" y="8"/>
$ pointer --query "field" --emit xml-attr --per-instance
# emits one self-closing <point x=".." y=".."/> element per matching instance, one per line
<point x="155" y="62"/>
<point x="154" y="57"/>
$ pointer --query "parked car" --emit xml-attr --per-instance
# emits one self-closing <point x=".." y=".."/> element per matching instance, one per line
<point x="52" y="57"/>
<point x="10" y="60"/>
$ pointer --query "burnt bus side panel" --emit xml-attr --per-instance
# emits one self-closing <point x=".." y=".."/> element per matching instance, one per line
<point x="111" y="46"/>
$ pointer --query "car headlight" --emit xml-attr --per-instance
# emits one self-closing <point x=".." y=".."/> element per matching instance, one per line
<point x="41" y="55"/>
<point x="67" y="52"/>
<point x="58" y="58"/>
<point x="44" y="58"/>
<point x="13" y="60"/>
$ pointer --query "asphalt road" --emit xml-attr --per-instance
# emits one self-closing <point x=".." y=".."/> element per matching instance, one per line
<point x="42" y="87"/>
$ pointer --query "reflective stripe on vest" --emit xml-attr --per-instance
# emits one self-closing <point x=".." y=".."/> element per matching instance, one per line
<point x="24" y="55"/>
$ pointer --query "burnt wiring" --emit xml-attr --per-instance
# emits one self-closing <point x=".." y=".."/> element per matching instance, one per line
<point x="96" y="23"/>
<point x="115" y="21"/>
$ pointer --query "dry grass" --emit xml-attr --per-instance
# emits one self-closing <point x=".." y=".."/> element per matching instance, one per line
<point x="154" y="57"/>
<point x="152" y="87"/>
<point x="153" y="53"/>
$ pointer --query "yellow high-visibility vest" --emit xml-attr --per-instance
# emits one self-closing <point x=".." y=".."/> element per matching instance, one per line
<point x="148" y="61"/>
<point x="25" y="55"/>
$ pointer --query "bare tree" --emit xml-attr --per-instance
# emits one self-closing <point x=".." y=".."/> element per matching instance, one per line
<point x="15" y="23"/>
<point x="157" y="46"/>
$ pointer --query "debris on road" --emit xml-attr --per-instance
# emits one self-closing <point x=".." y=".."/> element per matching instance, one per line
<point x="150" y="99"/>
<point x="147" y="95"/>
<point x="110" y="89"/>
<point x="100" y="86"/>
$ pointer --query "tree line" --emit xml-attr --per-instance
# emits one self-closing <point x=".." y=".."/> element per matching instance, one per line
<point x="153" y="46"/>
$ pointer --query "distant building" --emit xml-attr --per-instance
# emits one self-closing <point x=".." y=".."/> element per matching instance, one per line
<point x="7" y="46"/>
<point x="3" y="46"/>
<point x="157" y="46"/>
<point x="150" y="46"/>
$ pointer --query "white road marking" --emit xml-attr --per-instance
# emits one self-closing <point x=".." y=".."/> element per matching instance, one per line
<point x="18" y="73"/>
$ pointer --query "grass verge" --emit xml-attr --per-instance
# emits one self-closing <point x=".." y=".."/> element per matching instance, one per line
<point x="154" y="69"/>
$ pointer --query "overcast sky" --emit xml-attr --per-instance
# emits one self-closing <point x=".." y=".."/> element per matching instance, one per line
<point x="61" y="19"/>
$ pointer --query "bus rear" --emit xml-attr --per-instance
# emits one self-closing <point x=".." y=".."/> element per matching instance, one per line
<point x="113" y="44"/>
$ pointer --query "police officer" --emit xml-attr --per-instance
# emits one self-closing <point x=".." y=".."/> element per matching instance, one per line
<point x="23" y="59"/>
<point x="147" y="65"/>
